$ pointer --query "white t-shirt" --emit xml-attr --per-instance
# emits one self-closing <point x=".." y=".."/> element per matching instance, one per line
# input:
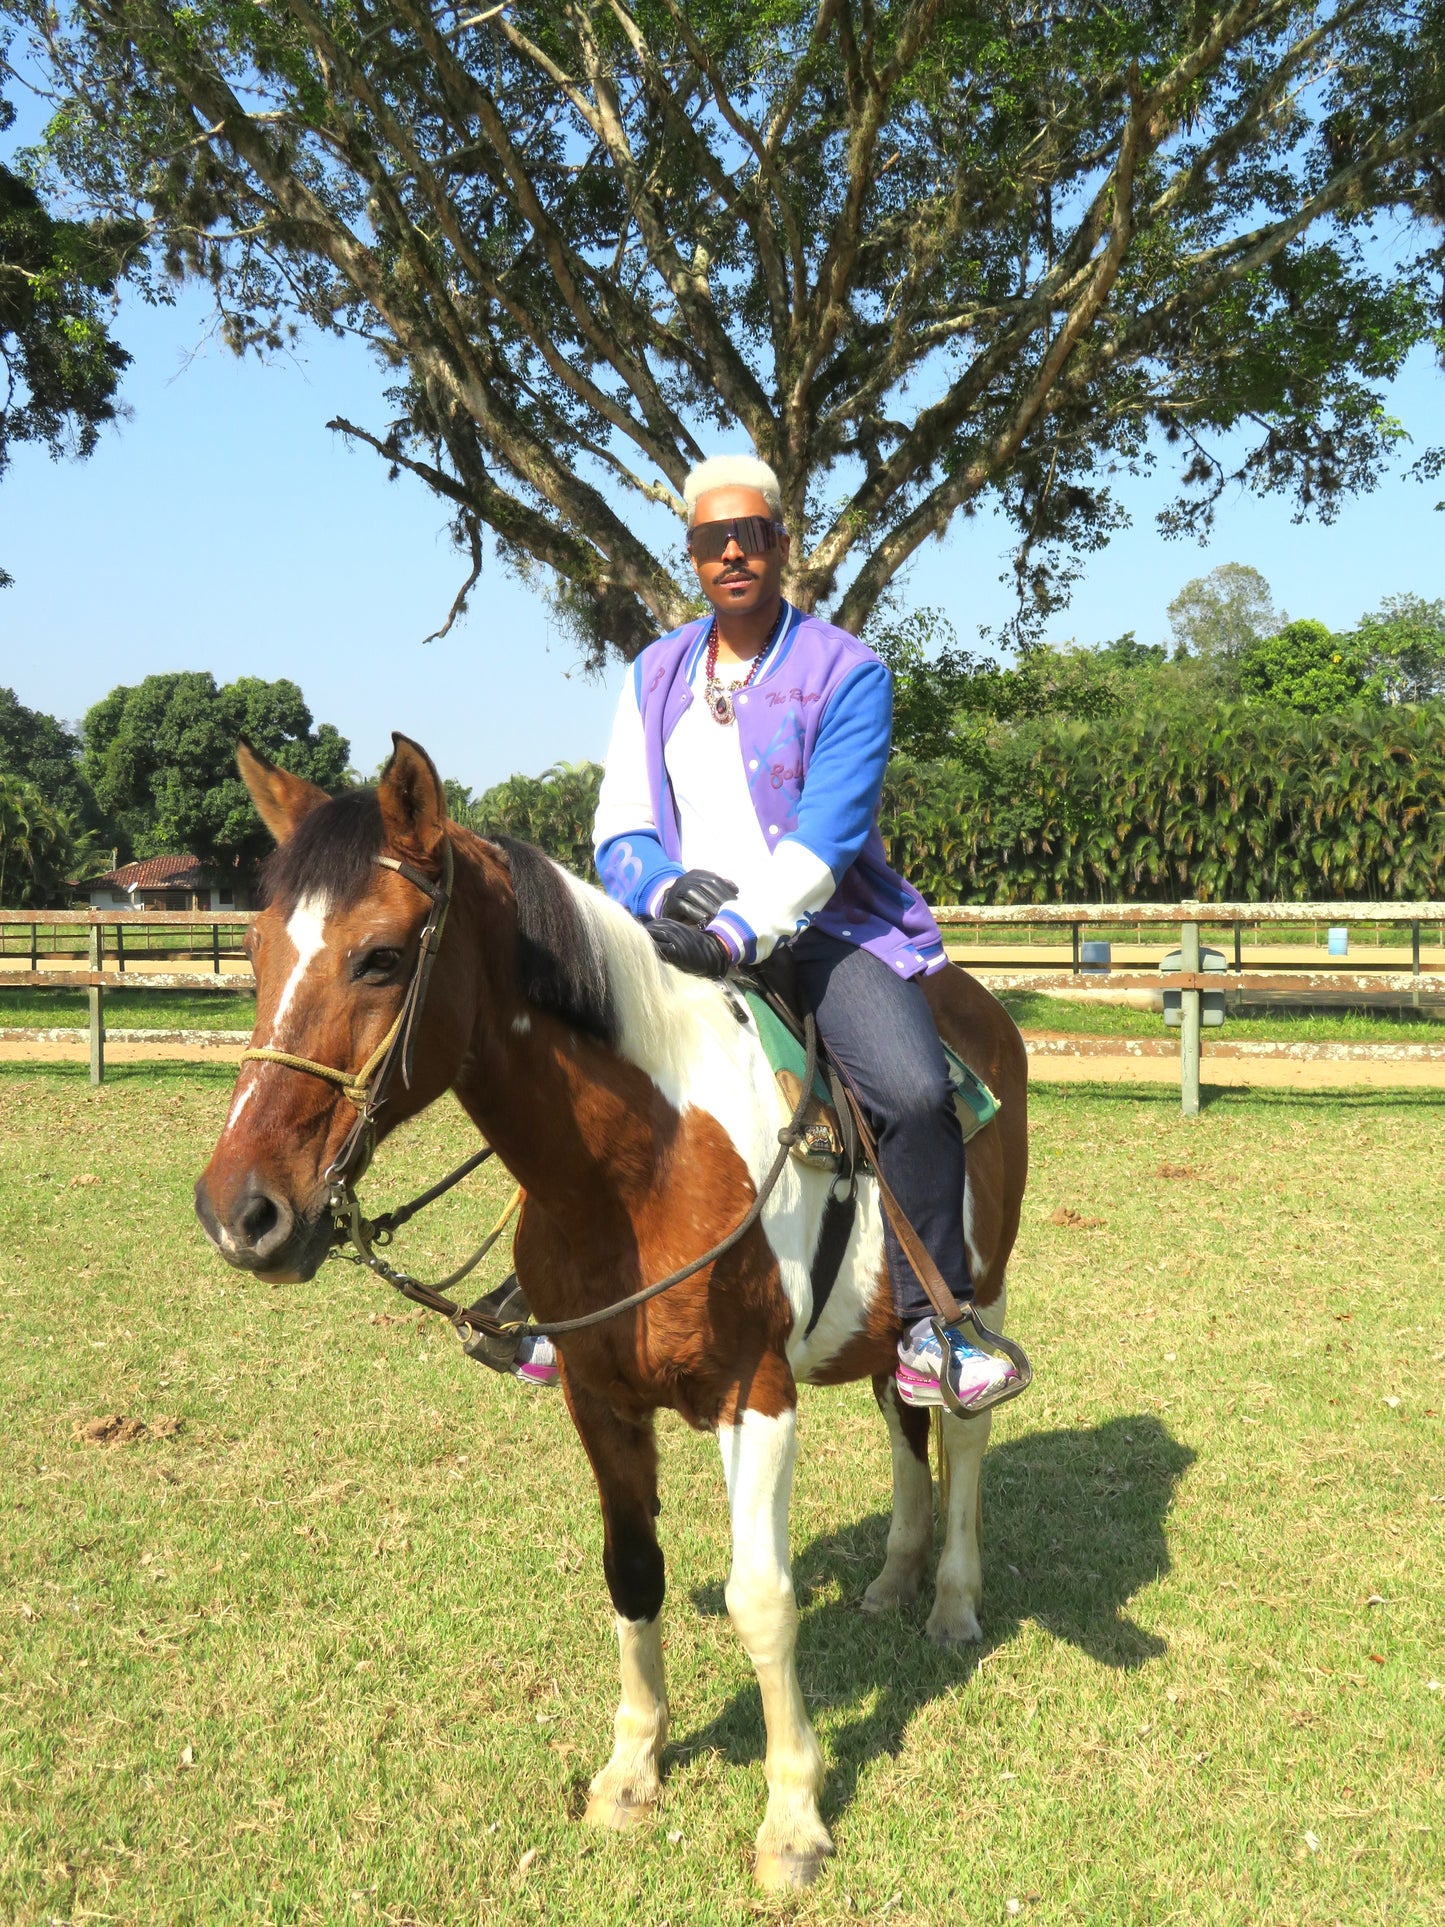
<point x="778" y="890"/>
<point x="718" y="825"/>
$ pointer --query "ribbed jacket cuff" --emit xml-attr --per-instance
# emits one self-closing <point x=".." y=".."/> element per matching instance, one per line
<point x="737" y="938"/>
<point x="653" y="903"/>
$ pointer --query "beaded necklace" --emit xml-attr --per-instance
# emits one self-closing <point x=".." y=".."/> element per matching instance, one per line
<point x="719" y="695"/>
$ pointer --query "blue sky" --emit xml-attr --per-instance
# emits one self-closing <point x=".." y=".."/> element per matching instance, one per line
<point x="223" y="527"/>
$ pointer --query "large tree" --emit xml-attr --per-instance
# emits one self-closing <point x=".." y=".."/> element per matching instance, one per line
<point x="39" y="749"/>
<point x="161" y="755"/>
<point x="1404" y="648"/>
<point x="60" y="369"/>
<point x="1218" y="616"/>
<point x="918" y="252"/>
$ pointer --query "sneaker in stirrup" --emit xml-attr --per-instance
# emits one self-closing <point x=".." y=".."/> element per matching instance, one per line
<point x="536" y="1360"/>
<point x="975" y="1377"/>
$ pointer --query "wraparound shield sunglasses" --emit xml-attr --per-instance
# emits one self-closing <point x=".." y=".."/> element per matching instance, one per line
<point x="754" y="535"/>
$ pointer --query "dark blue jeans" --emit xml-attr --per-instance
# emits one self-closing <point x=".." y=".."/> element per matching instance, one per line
<point x="880" y="1029"/>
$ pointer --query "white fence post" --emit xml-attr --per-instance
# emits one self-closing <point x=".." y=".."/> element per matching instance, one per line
<point x="97" y="1008"/>
<point x="1191" y="1010"/>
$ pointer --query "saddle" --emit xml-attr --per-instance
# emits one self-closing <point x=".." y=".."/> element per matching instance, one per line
<point x="835" y="1138"/>
<point x="767" y="997"/>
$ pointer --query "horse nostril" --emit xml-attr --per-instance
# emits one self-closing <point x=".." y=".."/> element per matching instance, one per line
<point x="262" y="1223"/>
<point x="256" y="1217"/>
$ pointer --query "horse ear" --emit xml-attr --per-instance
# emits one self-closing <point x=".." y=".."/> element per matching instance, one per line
<point x="282" y="800"/>
<point x="413" y="802"/>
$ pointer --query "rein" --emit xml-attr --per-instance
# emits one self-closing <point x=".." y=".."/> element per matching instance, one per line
<point x="482" y="1332"/>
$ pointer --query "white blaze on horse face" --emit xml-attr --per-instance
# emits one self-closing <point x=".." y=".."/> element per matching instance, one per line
<point x="306" y="930"/>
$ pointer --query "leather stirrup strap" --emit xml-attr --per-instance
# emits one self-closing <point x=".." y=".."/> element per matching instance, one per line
<point x="949" y="1312"/>
<point x="934" y="1284"/>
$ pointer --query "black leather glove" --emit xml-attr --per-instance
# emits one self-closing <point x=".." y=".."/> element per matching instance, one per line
<point x="691" y="949"/>
<point x="697" y="896"/>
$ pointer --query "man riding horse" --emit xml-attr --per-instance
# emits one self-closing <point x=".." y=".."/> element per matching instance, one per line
<point x="739" y="813"/>
<point x="668" y="1237"/>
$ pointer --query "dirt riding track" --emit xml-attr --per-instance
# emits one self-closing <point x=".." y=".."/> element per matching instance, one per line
<point x="1053" y="1059"/>
<point x="305" y="1620"/>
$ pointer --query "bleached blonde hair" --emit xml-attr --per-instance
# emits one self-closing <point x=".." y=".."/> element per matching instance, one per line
<point x="732" y="471"/>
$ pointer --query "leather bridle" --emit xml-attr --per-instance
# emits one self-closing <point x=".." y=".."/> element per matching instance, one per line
<point x="367" y="1088"/>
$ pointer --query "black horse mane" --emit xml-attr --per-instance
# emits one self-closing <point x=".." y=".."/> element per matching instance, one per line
<point x="332" y="853"/>
<point x="562" y="965"/>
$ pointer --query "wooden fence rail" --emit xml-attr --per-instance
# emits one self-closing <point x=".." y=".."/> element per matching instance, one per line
<point x="1188" y="918"/>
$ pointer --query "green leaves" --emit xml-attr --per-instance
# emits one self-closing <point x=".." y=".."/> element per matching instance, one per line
<point x="920" y="252"/>
<point x="554" y="810"/>
<point x="59" y="368"/>
<point x="37" y="847"/>
<point x="1403" y="648"/>
<point x="1235" y="804"/>
<point x="1304" y="667"/>
<point x="161" y="756"/>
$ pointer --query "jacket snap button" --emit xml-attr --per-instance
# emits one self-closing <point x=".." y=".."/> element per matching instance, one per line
<point x="772" y="829"/>
<point x="753" y="764"/>
<point x="742" y="699"/>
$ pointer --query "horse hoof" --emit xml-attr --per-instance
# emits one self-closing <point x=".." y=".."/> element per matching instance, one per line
<point x="889" y="1596"/>
<point x="615" y="1816"/>
<point x="956" y="1626"/>
<point x="792" y="1867"/>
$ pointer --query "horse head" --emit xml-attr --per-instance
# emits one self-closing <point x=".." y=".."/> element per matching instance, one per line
<point x="350" y="892"/>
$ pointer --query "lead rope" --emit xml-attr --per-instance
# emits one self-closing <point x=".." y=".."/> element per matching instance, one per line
<point x="362" y="1233"/>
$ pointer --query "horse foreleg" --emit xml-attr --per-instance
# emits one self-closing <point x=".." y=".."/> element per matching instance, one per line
<point x="910" y="1535"/>
<point x="959" y="1591"/>
<point x="758" y="1454"/>
<point x="624" y="1460"/>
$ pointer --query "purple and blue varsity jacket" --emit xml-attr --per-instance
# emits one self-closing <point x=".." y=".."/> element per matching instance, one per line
<point x="813" y="732"/>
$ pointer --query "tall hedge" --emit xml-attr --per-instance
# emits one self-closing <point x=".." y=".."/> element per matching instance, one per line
<point x="1236" y="804"/>
<point x="1245" y="803"/>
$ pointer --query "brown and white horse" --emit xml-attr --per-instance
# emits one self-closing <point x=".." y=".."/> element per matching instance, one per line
<point x="639" y="1115"/>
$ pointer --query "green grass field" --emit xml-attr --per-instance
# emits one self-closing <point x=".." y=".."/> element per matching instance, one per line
<point x="219" y="1010"/>
<point x="1033" y="1011"/>
<point x="129" y="1009"/>
<point x="330" y="1643"/>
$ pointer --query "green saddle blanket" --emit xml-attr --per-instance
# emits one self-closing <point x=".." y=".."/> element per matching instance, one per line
<point x="975" y="1102"/>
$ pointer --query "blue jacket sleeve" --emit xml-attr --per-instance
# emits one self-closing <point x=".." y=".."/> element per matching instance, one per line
<point x="636" y="871"/>
<point x="844" y="781"/>
<point x="634" y="868"/>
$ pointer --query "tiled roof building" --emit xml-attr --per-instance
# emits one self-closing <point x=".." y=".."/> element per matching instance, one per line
<point x="179" y="882"/>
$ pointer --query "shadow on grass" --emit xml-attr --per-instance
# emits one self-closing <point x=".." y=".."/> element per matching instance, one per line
<point x="1073" y="1527"/>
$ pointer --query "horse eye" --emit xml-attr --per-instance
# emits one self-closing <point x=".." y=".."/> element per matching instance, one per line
<point x="377" y="965"/>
